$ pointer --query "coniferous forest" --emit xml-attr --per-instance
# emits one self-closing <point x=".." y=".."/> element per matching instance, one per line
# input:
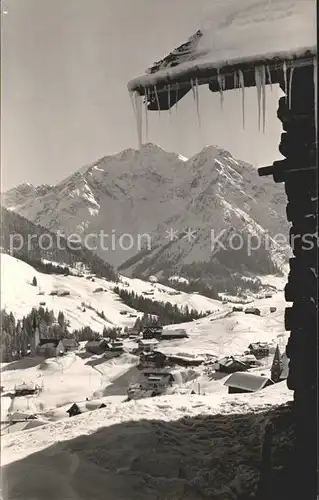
<point x="166" y="312"/>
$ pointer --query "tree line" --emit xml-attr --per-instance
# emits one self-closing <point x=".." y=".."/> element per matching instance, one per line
<point x="45" y="244"/>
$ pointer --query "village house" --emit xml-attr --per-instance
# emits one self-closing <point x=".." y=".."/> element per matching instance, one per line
<point x="70" y="344"/>
<point x="239" y="382"/>
<point x="25" y="389"/>
<point x="113" y="349"/>
<point x="238" y="308"/>
<point x="147" y="344"/>
<point x="173" y="334"/>
<point x="153" y="359"/>
<point x="21" y="417"/>
<point x="185" y="359"/>
<point x="252" y="310"/>
<point x="21" y="426"/>
<point x="259" y="349"/>
<point x="50" y="348"/>
<point x="79" y="408"/>
<point x="152" y="332"/>
<point x="230" y="364"/>
<point x="98" y="346"/>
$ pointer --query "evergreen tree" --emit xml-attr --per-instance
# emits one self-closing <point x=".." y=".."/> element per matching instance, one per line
<point x="61" y="319"/>
<point x="34" y="281"/>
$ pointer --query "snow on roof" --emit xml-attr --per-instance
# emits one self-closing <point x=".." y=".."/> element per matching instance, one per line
<point x="148" y="342"/>
<point x="241" y="32"/>
<point x="247" y="381"/>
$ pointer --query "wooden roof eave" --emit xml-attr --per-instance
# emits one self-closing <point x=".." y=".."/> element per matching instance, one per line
<point x="170" y="89"/>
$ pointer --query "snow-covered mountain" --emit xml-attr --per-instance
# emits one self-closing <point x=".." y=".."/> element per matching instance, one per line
<point x="155" y="196"/>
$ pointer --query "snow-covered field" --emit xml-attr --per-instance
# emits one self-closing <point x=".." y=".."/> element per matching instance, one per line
<point x="171" y="446"/>
<point x="181" y="447"/>
<point x="19" y="296"/>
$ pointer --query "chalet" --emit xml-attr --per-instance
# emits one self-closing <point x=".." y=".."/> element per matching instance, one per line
<point x="25" y="389"/>
<point x="21" y="416"/>
<point x="152" y="332"/>
<point x="79" y="408"/>
<point x="253" y="43"/>
<point x="250" y="360"/>
<point x="152" y="382"/>
<point x="240" y="382"/>
<point x="238" y="308"/>
<point x="98" y="346"/>
<point x="229" y="364"/>
<point x="259" y="349"/>
<point x="113" y="349"/>
<point x="252" y="310"/>
<point x="153" y="359"/>
<point x="148" y="344"/>
<point x="50" y="348"/>
<point x="70" y="344"/>
<point x="173" y="334"/>
<point x="21" y="426"/>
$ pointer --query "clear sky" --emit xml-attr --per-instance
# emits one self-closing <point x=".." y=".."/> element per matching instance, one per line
<point x="64" y="103"/>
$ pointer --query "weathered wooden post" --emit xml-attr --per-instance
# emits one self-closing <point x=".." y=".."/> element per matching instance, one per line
<point x="299" y="172"/>
<point x="285" y="54"/>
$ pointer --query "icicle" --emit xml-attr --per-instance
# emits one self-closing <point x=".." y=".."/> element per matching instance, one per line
<point x="169" y="100"/>
<point x="133" y="103"/>
<point x="139" y="116"/>
<point x="146" y="114"/>
<point x="290" y="86"/>
<point x="284" y="67"/>
<point x="269" y="77"/>
<point x="221" y="93"/>
<point x="315" y="84"/>
<point x="242" y="86"/>
<point x="176" y="92"/>
<point x="258" y="87"/>
<point x="235" y="80"/>
<point x="193" y="89"/>
<point x="133" y="100"/>
<point x="263" y="94"/>
<point x="157" y="101"/>
<point x="197" y="102"/>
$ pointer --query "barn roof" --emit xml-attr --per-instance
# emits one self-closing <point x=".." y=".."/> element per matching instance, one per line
<point x="49" y="342"/>
<point x="247" y="381"/>
<point x="70" y="342"/>
<point x="236" y="36"/>
<point x="86" y="406"/>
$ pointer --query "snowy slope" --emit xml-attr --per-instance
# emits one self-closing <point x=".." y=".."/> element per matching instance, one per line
<point x="164" y="448"/>
<point x="227" y="333"/>
<point x="63" y="381"/>
<point x="19" y="296"/>
<point x="114" y="448"/>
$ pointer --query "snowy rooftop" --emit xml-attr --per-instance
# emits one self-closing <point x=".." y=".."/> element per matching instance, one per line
<point x="235" y="33"/>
